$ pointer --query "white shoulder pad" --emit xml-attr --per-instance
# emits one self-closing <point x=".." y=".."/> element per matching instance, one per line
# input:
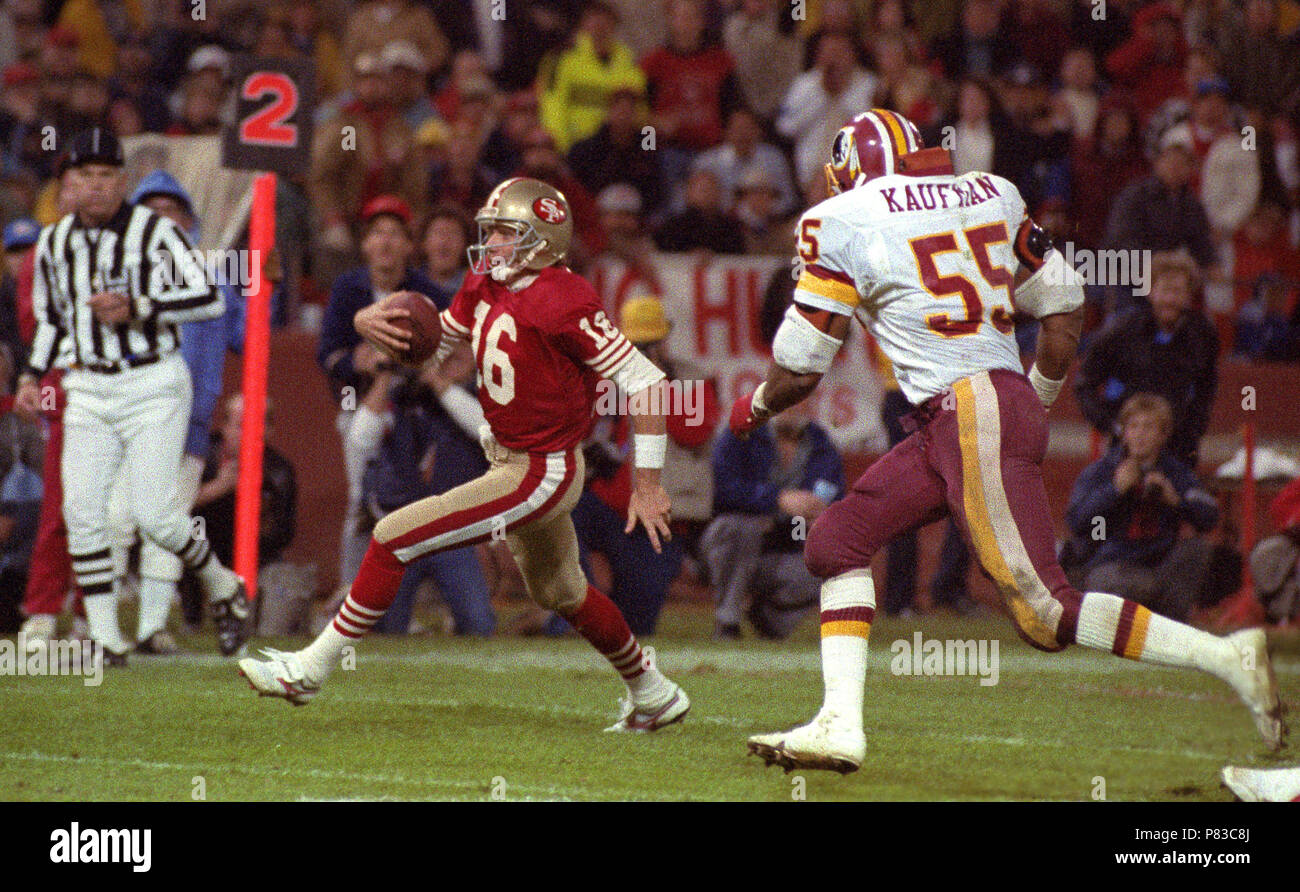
<point x="826" y="232"/>
<point x="800" y="347"/>
<point x="1054" y="288"/>
<point x="830" y="263"/>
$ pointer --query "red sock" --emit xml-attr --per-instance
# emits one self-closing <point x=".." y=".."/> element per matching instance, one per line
<point x="601" y="623"/>
<point x="373" y="591"/>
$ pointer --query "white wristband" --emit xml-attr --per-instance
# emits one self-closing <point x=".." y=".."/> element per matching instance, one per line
<point x="649" y="450"/>
<point x="1045" y="387"/>
<point x="756" y="404"/>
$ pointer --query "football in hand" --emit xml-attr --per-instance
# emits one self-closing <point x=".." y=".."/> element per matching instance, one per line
<point x="424" y="324"/>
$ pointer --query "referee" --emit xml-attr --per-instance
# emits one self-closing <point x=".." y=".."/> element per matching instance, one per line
<point x="112" y="283"/>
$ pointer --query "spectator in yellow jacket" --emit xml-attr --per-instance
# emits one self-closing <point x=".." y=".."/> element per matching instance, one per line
<point x="98" y="34"/>
<point x="575" y="85"/>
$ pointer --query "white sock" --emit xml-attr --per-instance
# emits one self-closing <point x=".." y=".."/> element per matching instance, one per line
<point x="322" y="655"/>
<point x="1126" y="628"/>
<point x="650" y="688"/>
<point x="101" y="618"/>
<point x="848" y="606"/>
<point x="1280" y="784"/>
<point x="156" y="596"/>
<point x="218" y="582"/>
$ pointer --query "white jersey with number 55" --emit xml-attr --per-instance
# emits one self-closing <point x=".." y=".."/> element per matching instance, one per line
<point x="927" y="263"/>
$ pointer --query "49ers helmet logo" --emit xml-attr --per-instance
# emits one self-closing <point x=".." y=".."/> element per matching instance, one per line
<point x="550" y="210"/>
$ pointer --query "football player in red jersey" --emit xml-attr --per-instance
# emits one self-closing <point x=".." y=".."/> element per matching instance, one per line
<point x="541" y="343"/>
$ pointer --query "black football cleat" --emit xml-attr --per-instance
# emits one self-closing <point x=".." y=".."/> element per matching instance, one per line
<point x="159" y="644"/>
<point x="231" y="617"/>
<point x="110" y="658"/>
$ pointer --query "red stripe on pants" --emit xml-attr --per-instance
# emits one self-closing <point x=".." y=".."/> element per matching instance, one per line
<point x="465" y="517"/>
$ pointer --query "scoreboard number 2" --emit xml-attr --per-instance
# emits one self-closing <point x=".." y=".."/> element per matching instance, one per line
<point x="271" y="129"/>
<point x="266" y="126"/>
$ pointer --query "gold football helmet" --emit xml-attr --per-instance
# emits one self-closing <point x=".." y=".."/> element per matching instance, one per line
<point x="539" y="216"/>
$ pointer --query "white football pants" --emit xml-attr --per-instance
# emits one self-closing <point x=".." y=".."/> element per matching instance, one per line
<point x="155" y="562"/>
<point x="132" y="423"/>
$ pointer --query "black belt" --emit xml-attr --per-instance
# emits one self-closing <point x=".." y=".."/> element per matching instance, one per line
<point x="106" y="367"/>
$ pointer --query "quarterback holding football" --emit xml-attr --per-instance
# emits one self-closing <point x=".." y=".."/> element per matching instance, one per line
<point x="541" y="343"/>
<point x="934" y="265"/>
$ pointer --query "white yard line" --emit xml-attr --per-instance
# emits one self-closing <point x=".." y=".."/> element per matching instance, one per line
<point x="209" y="770"/>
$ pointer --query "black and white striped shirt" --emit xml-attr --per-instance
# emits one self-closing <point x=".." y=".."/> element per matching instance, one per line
<point x="138" y="253"/>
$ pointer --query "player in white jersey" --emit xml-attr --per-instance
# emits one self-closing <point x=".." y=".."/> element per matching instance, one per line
<point x="934" y="265"/>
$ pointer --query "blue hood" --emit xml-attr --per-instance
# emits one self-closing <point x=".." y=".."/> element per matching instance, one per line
<point x="160" y="182"/>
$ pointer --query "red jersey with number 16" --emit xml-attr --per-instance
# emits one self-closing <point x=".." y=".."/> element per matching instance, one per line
<point x="540" y="352"/>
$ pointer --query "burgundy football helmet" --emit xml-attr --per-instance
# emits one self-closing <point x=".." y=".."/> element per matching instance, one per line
<point x="870" y="146"/>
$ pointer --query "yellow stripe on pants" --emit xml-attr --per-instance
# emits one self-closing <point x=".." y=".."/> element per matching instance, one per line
<point x="982" y="530"/>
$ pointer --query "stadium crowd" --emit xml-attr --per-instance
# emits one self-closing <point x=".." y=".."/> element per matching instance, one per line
<point x="1160" y="138"/>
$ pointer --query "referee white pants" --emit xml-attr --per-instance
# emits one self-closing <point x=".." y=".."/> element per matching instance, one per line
<point x="155" y="562"/>
<point x="133" y="422"/>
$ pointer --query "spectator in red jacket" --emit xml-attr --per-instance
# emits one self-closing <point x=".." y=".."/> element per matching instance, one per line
<point x="1261" y="246"/>
<point x="691" y="81"/>
<point x="1284" y="510"/>
<point x="1265" y="265"/>
<point x="1275" y="561"/>
<point x="1101" y="166"/>
<point x="692" y="87"/>
<point x="49" y="575"/>
<point x="1150" y="62"/>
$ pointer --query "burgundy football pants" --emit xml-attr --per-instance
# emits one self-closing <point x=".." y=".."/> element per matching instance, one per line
<point x="976" y="454"/>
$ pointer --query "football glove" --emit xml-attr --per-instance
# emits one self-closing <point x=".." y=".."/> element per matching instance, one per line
<point x="748" y="413"/>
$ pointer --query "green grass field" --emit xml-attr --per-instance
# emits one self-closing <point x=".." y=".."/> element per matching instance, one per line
<point x="439" y="718"/>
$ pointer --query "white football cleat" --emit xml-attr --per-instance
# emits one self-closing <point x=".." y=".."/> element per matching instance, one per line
<point x="1252" y="676"/>
<point x="281" y="674"/>
<point x="826" y="743"/>
<point x="643" y="719"/>
<point x="39" y="628"/>
<point x="1263" y="784"/>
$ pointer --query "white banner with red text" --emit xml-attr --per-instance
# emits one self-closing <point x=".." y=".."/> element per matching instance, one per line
<point x="713" y="304"/>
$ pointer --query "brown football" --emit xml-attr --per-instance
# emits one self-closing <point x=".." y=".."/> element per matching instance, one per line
<point x="424" y="324"/>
